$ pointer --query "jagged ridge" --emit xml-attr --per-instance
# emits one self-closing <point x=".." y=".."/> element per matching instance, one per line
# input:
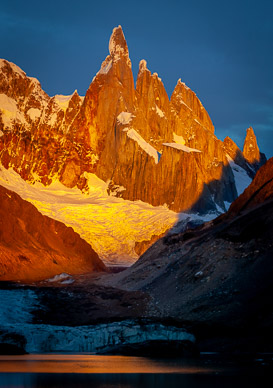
<point x="158" y="150"/>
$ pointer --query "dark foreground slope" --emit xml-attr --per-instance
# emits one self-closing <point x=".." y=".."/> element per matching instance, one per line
<point x="35" y="247"/>
<point x="260" y="190"/>
<point x="217" y="278"/>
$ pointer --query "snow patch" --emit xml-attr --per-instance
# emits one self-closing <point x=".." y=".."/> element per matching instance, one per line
<point x="61" y="98"/>
<point x="142" y="65"/>
<point x="199" y="274"/>
<point x="198" y="122"/>
<point x="52" y="120"/>
<point x="182" y="102"/>
<point x="159" y="111"/>
<point x="218" y="208"/>
<point x="124" y="118"/>
<point x="63" y="101"/>
<point x="59" y="278"/>
<point x="35" y="80"/>
<point x="116" y="50"/>
<point x="8" y="103"/>
<point x="155" y="75"/>
<point x="10" y="111"/>
<point x="227" y="205"/>
<point x="178" y="139"/>
<point x="105" y="67"/>
<point x="242" y="180"/>
<point x="68" y="281"/>
<point x="34" y="113"/>
<point x="181" y="147"/>
<point x="150" y="150"/>
<point x="183" y="83"/>
<point x="16" y="69"/>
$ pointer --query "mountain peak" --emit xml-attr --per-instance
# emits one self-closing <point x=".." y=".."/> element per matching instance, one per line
<point x="142" y="65"/>
<point x="11" y="67"/>
<point x="251" y="150"/>
<point x="117" y="44"/>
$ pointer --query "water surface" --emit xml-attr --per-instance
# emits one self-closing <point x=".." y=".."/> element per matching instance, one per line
<point x="85" y="370"/>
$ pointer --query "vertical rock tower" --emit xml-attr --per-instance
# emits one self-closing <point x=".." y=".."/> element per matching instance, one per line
<point x="146" y="146"/>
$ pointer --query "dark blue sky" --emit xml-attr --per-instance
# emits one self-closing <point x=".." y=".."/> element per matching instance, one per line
<point x="223" y="50"/>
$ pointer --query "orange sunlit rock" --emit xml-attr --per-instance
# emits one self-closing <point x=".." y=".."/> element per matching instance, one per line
<point x="35" y="247"/>
<point x="158" y="150"/>
<point x="251" y="150"/>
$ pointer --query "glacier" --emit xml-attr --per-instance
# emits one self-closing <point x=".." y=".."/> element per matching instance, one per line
<point x="111" y="225"/>
<point x="16" y="314"/>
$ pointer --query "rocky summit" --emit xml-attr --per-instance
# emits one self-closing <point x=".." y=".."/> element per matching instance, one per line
<point x="143" y="144"/>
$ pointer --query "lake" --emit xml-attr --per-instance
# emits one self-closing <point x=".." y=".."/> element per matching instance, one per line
<point x="87" y="370"/>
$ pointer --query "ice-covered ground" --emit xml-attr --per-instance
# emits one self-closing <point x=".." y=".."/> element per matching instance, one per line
<point x="16" y="310"/>
<point x="111" y="225"/>
<point x="242" y="180"/>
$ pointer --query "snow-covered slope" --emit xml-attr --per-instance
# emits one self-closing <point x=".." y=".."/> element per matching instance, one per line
<point x="242" y="179"/>
<point x="112" y="225"/>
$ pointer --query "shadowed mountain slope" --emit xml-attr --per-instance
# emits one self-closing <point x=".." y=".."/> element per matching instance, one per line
<point x="217" y="278"/>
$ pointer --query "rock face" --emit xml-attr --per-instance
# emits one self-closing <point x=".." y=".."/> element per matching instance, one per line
<point x="234" y="152"/>
<point x="35" y="247"/>
<point x="146" y="146"/>
<point x="34" y="126"/>
<point x="251" y="150"/>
